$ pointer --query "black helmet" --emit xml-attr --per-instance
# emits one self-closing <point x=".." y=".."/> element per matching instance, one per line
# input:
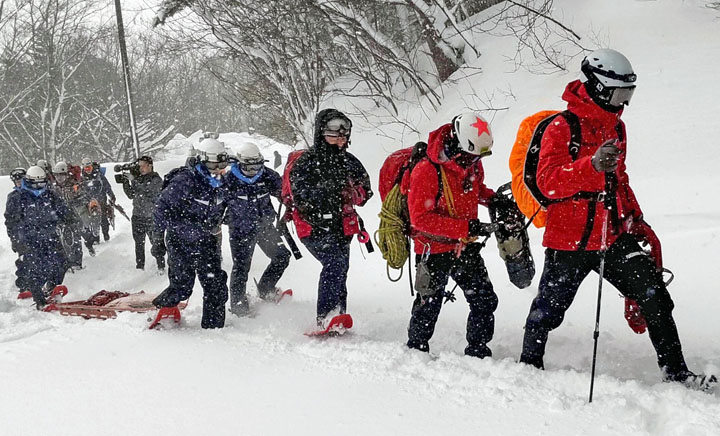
<point x="17" y="174"/>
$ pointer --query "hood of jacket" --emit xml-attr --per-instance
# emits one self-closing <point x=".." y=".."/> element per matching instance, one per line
<point x="319" y="145"/>
<point x="580" y="103"/>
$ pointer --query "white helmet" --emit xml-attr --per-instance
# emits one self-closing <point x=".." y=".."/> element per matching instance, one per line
<point x="249" y="151"/>
<point x="473" y="134"/>
<point x="60" y="167"/>
<point x="212" y="153"/>
<point x="609" y="78"/>
<point x="250" y="160"/>
<point x="36" y="177"/>
<point x="86" y="161"/>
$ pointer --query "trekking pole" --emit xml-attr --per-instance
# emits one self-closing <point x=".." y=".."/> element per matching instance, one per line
<point x="596" y="333"/>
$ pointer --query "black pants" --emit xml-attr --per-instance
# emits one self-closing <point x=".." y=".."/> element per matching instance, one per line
<point x="333" y="252"/>
<point x="242" y="246"/>
<point x="185" y="260"/>
<point x="142" y="227"/>
<point x="471" y="276"/>
<point x="105" y="219"/>
<point x="629" y="270"/>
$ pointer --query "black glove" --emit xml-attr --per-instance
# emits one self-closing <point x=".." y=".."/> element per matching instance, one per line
<point x="606" y="157"/>
<point x="476" y="228"/>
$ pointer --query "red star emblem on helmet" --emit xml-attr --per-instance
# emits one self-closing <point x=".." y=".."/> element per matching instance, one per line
<point x="481" y="125"/>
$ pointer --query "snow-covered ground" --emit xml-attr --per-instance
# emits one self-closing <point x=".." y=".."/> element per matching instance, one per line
<point x="262" y="376"/>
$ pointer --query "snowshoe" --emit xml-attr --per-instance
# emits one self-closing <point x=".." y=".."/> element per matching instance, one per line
<point x="277" y="296"/>
<point x="166" y="312"/>
<point x="697" y="382"/>
<point x="512" y="237"/>
<point x="335" y="326"/>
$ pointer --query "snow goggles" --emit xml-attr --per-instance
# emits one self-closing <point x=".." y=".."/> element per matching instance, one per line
<point x="252" y="166"/>
<point x="222" y="162"/>
<point x="36" y="184"/>
<point x="620" y="96"/>
<point x="337" y="127"/>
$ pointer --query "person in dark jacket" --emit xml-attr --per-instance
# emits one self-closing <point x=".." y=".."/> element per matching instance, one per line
<point x="189" y="209"/>
<point x="94" y="189"/>
<point x="251" y="217"/>
<point x="16" y="176"/>
<point x="32" y="215"/>
<point x="445" y="190"/>
<point x="327" y="183"/>
<point x="583" y="231"/>
<point x="103" y="193"/>
<point x="144" y="191"/>
<point x="69" y="189"/>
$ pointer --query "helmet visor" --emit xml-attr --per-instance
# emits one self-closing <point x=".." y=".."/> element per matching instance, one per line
<point x="36" y="184"/>
<point x="621" y="96"/>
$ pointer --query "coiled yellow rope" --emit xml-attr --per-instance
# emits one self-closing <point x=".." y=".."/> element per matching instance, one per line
<point x="390" y="236"/>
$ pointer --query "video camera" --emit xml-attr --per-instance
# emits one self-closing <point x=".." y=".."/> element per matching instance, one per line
<point x="132" y="168"/>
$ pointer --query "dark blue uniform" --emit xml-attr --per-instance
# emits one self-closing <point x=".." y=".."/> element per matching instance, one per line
<point x="188" y="209"/>
<point x="250" y="216"/>
<point x="31" y="218"/>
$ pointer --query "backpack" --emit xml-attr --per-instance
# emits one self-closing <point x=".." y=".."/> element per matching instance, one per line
<point x="393" y="234"/>
<point x="524" y="158"/>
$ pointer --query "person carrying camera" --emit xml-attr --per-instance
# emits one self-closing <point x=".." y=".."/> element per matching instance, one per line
<point x="143" y="190"/>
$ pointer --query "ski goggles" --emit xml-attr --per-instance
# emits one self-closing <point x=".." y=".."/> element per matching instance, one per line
<point x="36" y="184"/>
<point x="221" y="163"/>
<point x="252" y="166"/>
<point x="337" y="127"/>
<point x="621" y="96"/>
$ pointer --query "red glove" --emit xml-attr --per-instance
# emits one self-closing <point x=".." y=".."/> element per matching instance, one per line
<point x="355" y="195"/>
<point x="634" y="319"/>
<point x="642" y="230"/>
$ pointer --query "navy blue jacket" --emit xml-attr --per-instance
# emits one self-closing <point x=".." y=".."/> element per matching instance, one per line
<point x="248" y="199"/>
<point x="189" y="207"/>
<point x="31" y="217"/>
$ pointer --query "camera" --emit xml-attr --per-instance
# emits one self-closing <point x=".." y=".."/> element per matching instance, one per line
<point x="132" y="168"/>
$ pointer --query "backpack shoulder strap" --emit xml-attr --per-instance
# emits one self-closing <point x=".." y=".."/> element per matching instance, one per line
<point x="575" y="132"/>
<point x="440" y="181"/>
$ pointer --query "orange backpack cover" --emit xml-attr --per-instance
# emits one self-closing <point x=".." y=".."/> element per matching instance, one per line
<point x="524" y="199"/>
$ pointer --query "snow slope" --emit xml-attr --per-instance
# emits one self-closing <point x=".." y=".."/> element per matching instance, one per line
<point x="261" y="376"/>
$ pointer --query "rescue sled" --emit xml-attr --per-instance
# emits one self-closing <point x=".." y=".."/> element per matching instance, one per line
<point x="107" y="304"/>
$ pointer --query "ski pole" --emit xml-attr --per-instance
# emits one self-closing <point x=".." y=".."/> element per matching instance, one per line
<point x="596" y="333"/>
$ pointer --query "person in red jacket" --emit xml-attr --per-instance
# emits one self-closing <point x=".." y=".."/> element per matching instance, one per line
<point x="444" y="192"/>
<point x="596" y="214"/>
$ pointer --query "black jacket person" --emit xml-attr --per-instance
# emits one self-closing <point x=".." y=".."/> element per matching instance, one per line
<point x="144" y="191"/>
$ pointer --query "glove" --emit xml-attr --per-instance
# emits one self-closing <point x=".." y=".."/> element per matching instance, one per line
<point x="476" y="228"/>
<point x="645" y="233"/>
<point x="606" y="157"/>
<point x="633" y="316"/>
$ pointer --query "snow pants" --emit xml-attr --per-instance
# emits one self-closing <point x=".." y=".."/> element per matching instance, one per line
<point x="470" y="274"/>
<point x="333" y="252"/>
<point x="142" y="227"/>
<point x="629" y="270"/>
<point x="43" y="266"/>
<point x="185" y="260"/>
<point x="242" y="246"/>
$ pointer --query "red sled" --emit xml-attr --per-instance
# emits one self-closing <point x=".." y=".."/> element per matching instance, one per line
<point x="57" y="293"/>
<point x="107" y="304"/>
<point x="337" y="326"/>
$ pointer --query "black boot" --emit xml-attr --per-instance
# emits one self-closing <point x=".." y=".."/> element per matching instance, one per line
<point x="480" y="351"/>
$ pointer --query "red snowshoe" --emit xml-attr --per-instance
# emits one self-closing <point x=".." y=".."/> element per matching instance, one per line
<point x="337" y="326"/>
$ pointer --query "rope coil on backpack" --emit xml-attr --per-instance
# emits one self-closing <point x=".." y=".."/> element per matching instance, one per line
<point x="390" y="236"/>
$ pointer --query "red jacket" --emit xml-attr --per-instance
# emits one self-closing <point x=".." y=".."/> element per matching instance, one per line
<point x="431" y="222"/>
<point x="569" y="225"/>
